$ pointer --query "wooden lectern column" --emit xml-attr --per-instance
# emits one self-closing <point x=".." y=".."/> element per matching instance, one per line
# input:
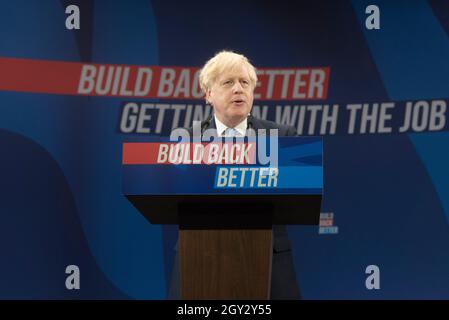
<point x="225" y="264"/>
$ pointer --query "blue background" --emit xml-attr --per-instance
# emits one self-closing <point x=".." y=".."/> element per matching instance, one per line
<point x="60" y="189"/>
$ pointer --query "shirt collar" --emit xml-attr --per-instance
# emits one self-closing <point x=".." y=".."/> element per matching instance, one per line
<point x="221" y="128"/>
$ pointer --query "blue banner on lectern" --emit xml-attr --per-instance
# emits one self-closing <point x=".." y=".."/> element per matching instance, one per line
<point x="287" y="165"/>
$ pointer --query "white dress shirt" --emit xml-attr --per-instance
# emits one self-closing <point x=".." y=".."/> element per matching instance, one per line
<point x="223" y="130"/>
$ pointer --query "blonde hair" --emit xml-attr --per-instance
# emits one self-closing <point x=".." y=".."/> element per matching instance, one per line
<point x="225" y="60"/>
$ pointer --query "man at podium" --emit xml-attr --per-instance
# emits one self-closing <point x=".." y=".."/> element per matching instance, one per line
<point x="228" y="81"/>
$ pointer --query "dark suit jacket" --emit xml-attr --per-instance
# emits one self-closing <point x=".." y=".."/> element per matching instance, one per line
<point x="283" y="278"/>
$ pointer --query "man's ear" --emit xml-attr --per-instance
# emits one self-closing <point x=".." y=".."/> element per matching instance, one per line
<point x="207" y="96"/>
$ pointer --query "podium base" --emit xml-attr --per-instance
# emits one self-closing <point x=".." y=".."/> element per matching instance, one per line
<point x="225" y="264"/>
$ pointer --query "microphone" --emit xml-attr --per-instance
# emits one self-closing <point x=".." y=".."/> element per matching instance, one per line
<point x="249" y="121"/>
<point x="206" y="123"/>
<point x="250" y="131"/>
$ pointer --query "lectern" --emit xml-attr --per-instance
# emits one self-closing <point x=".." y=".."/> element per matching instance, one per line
<point x="225" y="220"/>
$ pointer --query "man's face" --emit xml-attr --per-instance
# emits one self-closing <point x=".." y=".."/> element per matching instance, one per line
<point x="231" y="96"/>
